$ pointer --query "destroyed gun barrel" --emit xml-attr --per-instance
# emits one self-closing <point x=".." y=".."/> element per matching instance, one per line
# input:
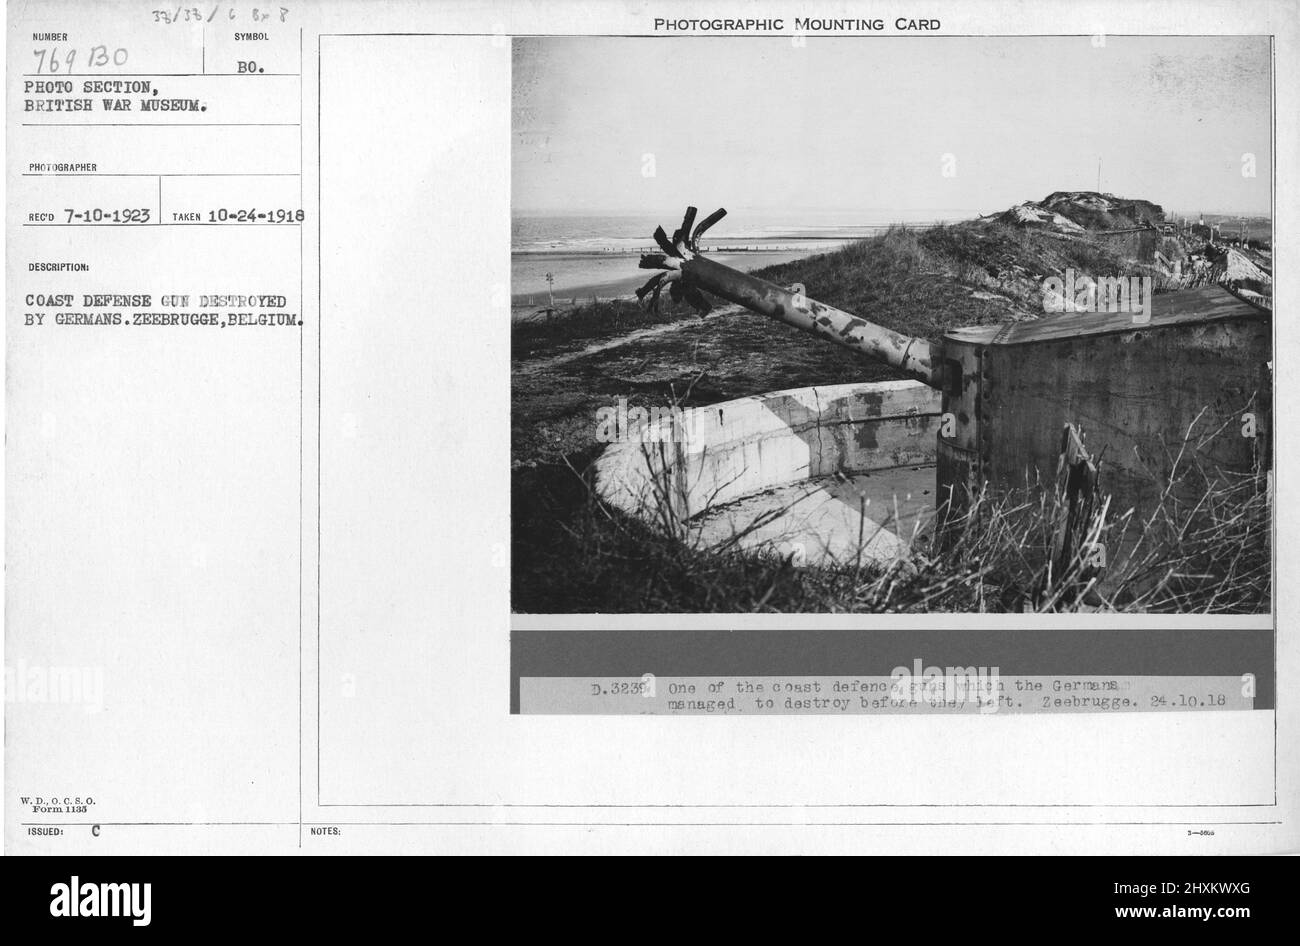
<point x="686" y="273"/>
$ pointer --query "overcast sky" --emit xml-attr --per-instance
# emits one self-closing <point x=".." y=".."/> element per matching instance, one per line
<point x="863" y="125"/>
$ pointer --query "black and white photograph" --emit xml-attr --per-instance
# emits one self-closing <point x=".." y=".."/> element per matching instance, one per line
<point x="892" y="324"/>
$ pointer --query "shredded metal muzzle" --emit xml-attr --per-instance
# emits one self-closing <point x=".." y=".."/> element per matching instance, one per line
<point x="677" y="251"/>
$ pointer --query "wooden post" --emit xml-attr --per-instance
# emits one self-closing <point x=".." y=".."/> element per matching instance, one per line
<point x="1072" y="539"/>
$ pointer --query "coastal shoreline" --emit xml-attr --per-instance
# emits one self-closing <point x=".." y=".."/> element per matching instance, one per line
<point x="575" y="285"/>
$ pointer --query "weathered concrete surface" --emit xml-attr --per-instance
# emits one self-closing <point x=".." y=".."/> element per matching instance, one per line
<point x="828" y="520"/>
<point x="1143" y="395"/>
<point x="686" y="473"/>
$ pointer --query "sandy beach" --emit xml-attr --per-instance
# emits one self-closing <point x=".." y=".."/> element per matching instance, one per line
<point x="581" y="276"/>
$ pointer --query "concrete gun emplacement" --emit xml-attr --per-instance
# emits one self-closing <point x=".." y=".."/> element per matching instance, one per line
<point x="1193" y="374"/>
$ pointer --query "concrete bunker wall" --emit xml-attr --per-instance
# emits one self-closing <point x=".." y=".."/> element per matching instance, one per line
<point x="705" y="457"/>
